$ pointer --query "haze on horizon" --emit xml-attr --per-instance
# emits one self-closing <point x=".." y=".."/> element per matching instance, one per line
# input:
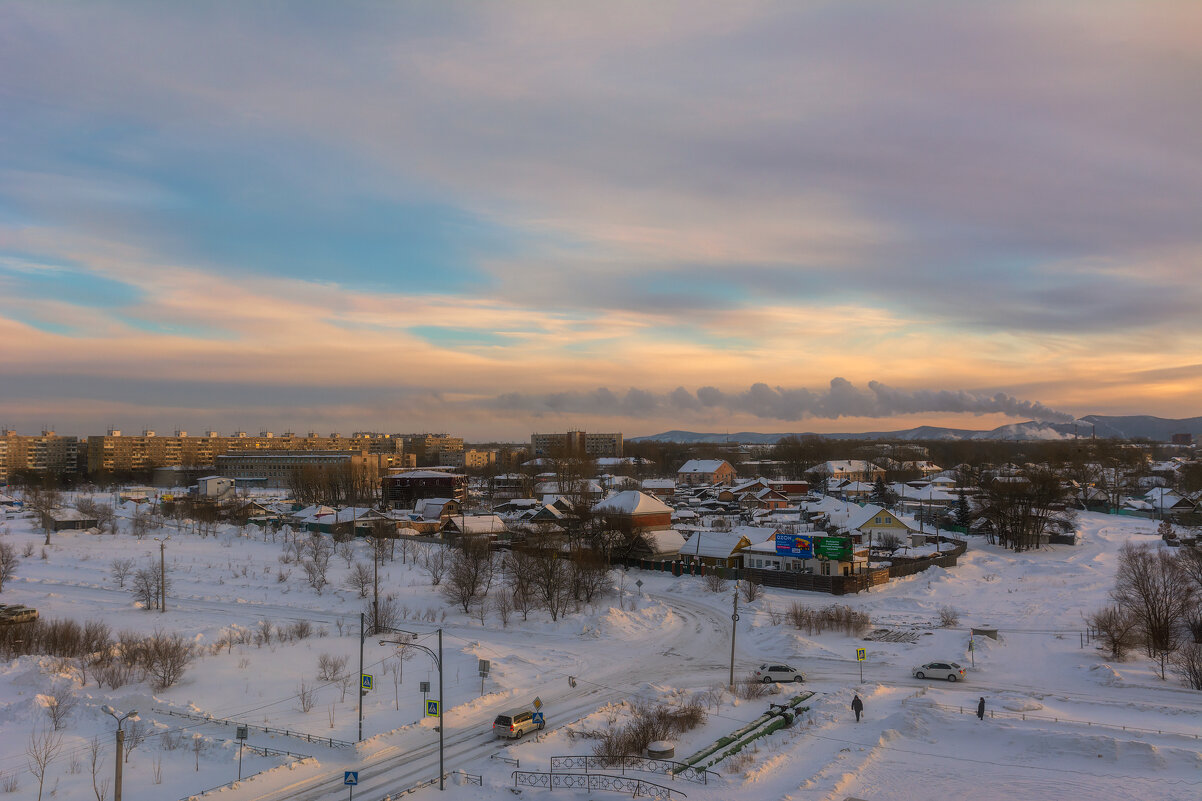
<point x="494" y="219"/>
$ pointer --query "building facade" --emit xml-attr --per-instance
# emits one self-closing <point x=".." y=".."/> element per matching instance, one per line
<point x="575" y="443"/>
<point x="44" y="453"/>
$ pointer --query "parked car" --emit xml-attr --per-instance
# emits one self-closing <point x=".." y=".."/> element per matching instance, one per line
<point x="514" y="723"/>
<point x="769" y="673"/>
<point x="949" y="671"/>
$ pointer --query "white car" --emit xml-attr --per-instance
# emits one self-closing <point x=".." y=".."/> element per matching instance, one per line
<point x="769" y="673"/>
<point x="948" y="671"/>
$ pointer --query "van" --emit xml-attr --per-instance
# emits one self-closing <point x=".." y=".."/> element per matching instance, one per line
<point x="514" y="723"/>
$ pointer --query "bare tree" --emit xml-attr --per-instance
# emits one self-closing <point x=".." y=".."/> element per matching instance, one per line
<point x="99" y="786"/>
<point x="330" y="667"/>
<point x="42" y="749"/>
<point x="751" y="591"/>
<point x="1155" y="589"/>
<point x="435" y="563"/>
<point x="715" y="581"/>
<point x="469" y="572"/>
<point x="1117" y="628"/>
<point x="8" y="562"/>
<point x="360" y="579"/>
<point x="166" y="657"/>
<point x="1187" y="663"/>
<point x="59" y="701"/>
<point x="318" y="551"/>
<point x="120" y="570"/>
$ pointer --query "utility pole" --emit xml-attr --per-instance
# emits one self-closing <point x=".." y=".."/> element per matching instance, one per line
<point x="442" y="729"/>
<point x="162" y="572"/>
<point x="361" y="638"/>
<point x="734" y="619"/>
<point x="120" y="748"/>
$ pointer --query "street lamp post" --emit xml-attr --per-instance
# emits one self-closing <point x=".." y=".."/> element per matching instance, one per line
<point x="437" y="657"/>
<point x="120" y="747"/>
<point x="162" y="572"/>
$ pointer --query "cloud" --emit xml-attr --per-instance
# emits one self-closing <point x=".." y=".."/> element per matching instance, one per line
<point x="842" y="399"/>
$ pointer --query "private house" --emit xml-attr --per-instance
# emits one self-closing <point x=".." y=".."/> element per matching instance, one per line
<point x="635" y="509"/>
<point x="662" y="488"/>
<point x="402" y="490"/>
<point x="715" y="548"/>
<point x="68" y="520"/>
<point x="490" y="526"/>
<point x="872" y="521"/>
<point x="848" y="470"/>
<point x="697" y="472"/>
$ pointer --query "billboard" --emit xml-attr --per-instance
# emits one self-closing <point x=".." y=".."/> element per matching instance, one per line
<point x="837" y="548"/>
<point x="794" y="545"/>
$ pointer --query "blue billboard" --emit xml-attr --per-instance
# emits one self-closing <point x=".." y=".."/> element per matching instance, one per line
<point x="795" y="545"/>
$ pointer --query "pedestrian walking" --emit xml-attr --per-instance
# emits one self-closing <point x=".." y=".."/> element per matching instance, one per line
<point x="981" y="708"/>
<point x="857" y="706"/>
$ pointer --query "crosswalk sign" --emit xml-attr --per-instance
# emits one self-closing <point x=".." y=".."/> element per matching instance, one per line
<point x="861" y="654"/>
<point x="431" y="709"/>
<point x="365" y="680"/>
<point x="350" y="777"/>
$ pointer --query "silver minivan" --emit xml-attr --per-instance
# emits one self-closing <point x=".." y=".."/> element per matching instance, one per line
<point x="514" y="723"/>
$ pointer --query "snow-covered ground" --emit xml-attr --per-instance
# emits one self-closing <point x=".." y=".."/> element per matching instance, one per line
<point x="1055" y="730"/>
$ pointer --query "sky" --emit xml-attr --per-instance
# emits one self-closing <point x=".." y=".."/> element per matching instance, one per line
<point x="494" y="219"/>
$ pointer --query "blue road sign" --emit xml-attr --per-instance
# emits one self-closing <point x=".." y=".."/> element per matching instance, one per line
<point x="350" y="777"/>
<point x="431" y="709"/>
<point x="365" y="680"/>
<point x="538" y="719"/>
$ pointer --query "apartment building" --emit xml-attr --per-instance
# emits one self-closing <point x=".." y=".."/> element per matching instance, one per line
<point x="575" y="443"/>
<point x="434" y="449"/>
<point x="46" y="453"/>
<point x="116" y="451"/>
<point x="276" y="468"/>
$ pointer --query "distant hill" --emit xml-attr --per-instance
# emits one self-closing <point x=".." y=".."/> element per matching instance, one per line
<point x="1140" y="426"/>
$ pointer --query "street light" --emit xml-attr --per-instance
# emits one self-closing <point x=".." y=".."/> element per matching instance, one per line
<point x="411" y="642"/>
<point x="162" y="572"/>
<point x="133" y="713"/>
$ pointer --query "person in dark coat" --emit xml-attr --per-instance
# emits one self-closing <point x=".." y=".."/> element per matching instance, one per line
<point x="981" y="708"/>
<point x="857" y="706"/>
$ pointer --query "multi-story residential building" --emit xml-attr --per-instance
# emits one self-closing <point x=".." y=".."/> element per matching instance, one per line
<point x="575" y="443"/>
<point x="45" y="453"/>
<point x="118" y="452"/>
<point x="433" y="449"/>
<point x="401" y="490"/>
<point x="276" y="468"/>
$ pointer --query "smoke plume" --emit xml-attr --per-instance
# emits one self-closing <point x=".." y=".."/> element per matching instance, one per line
<point x="842" y="399"/>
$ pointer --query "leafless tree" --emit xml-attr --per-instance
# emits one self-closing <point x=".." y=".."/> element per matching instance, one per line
<point x="435" y="562"/>
<point x="316" y="564"/>
<point x="1187" y="663"/>
<point x="8" y="562"/>
<point x="99" y="786"/>
<point x="360" y="579"/>
<point x="1024" y="507"/>
<point x="330" y="667"/>
<point x="469" y="572"/>
<point x="42" y="749"/>
<point x="519" y="580"/>
<point x="59" y="701"/>
<point x="551" y="573"/>
<point x="382" y="616"/>
<point x="120" y="570"/>
<point x="949" y="617"/>
<point x="306" y="696"/>
<point x="1153" y="587"/>
<point x="751" y="591"/>
<point x="1118" y="629"/>
<point x="502" y="603"/>
<point x="167" y="657"/>
<point x="147" y="586"/>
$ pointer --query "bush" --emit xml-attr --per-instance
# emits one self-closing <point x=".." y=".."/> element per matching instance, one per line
<point x="751" y="591"/>
<point x="948" y="617"/>
<point x="330" y="667"/>
<point x="1117" y="629"/>
<point x="715" y="582"/>
<point x="648" y="725"/>
<point x="166" y="657"/>
<point x="835" y="616"/>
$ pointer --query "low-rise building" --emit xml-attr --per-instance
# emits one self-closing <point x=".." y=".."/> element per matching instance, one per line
<point x="705" y="471"/>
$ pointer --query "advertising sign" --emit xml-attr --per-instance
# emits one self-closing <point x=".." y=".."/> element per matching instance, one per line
<point x="837" y="548"/>
<point x="795" y="545"/>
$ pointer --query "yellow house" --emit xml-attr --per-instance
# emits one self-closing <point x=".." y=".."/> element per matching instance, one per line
<point x="873" y="520"/>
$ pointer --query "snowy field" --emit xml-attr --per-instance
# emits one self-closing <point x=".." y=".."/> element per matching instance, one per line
<point x="1062" y="724"/>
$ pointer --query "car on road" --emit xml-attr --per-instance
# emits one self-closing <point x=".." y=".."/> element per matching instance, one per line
<point x="948" y="671"/>
<point x="514" y="723"/>
<point x="769" y="673"/>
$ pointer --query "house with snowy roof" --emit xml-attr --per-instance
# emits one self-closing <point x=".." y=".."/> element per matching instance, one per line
<point x="635" y="509"/>
<point x="662" y="488"/>
<point x="715" y="548"/>
<point x="696" y="472"/>
<point x="848" y="470"/>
